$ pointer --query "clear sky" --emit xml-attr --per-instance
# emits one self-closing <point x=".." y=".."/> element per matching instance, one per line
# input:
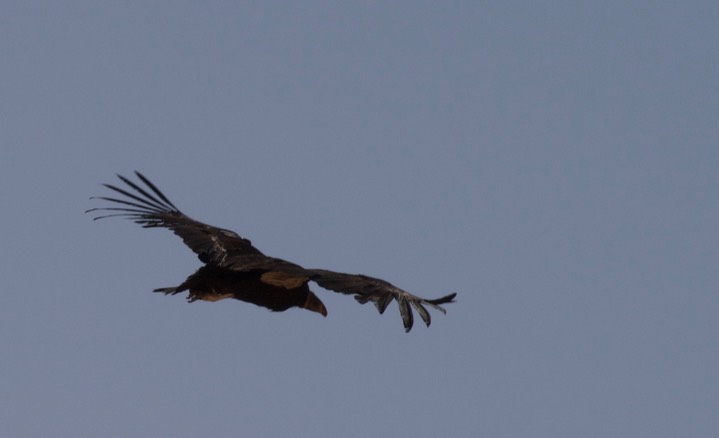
<point x="555" y="163"/>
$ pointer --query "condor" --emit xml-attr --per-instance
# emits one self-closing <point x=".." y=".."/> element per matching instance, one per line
<point x="234" y="268"/>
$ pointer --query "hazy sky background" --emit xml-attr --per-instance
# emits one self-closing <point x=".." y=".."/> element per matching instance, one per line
<point x="556" y="164"/>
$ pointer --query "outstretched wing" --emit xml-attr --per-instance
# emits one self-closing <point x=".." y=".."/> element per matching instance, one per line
<point x="380" y="293"/>
<point x="149" y="207"/>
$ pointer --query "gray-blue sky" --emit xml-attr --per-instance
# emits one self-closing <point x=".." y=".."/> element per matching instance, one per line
<point x="557" y="165"/>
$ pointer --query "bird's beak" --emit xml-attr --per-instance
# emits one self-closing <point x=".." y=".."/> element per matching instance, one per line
<point x="314" y="304"/>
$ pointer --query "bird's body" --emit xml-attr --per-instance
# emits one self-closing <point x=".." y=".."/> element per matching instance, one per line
<point x="214" y="283"/>
<point x="234" y="268"/>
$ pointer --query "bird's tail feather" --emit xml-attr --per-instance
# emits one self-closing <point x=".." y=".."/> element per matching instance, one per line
<point x="167" y="290"/>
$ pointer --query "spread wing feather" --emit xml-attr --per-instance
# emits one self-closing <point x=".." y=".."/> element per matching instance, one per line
<point x="381" y="293"/>
<point x="152" y="209"/>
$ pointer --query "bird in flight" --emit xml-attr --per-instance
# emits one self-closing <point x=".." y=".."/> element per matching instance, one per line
<point x="234" y="268"/>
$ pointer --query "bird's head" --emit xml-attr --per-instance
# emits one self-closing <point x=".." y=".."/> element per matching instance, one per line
<point x="314" y="304"/>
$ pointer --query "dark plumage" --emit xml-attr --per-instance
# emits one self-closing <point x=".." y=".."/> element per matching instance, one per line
<point x="236" y="269"/>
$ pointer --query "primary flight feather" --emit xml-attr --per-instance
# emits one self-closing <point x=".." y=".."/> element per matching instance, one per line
<point x="234" y="268"/>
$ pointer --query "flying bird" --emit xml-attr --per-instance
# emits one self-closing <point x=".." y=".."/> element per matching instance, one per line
<point x="234" y="268"/>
